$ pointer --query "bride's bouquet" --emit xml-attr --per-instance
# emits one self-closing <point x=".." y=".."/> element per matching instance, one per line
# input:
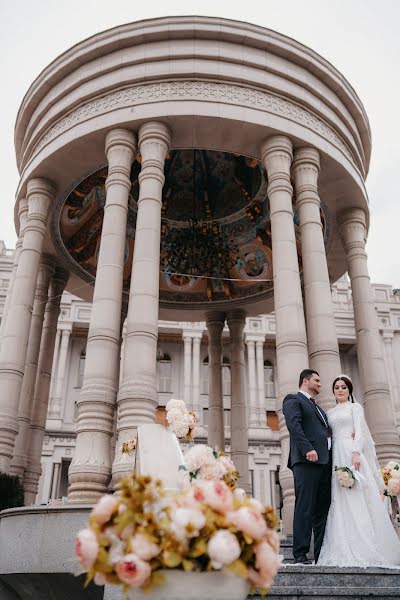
<point x="345" y="476"/>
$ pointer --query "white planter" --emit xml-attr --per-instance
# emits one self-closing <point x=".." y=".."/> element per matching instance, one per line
<point x="190" y="586"/>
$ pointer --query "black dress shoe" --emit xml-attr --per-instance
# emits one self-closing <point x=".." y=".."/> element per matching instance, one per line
<point x="303" y="560"/>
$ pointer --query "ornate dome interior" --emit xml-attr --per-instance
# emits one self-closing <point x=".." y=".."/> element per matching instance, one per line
<point x="215" y="235"/>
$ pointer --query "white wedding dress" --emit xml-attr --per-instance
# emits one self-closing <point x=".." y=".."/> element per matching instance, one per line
<point x="358" y="530"/>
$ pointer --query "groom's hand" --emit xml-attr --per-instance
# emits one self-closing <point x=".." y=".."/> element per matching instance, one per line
<point x="312" y="456"/>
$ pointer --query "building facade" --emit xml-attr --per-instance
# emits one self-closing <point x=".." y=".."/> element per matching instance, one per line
<point x="182" y="372"/>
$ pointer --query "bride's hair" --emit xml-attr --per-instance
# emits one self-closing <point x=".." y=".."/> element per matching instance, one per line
<point x="348" y="382"/>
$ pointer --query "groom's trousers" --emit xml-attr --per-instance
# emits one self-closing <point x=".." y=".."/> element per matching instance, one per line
<point x="312" y="485"/>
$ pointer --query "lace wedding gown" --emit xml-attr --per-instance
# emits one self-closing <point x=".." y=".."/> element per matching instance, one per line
<point x="358" y="530"/>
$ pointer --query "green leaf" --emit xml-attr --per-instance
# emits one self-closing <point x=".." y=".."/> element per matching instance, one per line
<point x="239" y="568"/>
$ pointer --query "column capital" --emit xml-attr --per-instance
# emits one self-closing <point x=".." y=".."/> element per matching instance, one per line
<point x="387" y="335"/>
<point x="120" y="137"/>
<point x="353" y="228"/>
<point x="277" y="145"/>
<point x="277" y="155"/>
<point x="154" y="130"/>
<point x="306" y="157"/>
<point x="43" y="187"/>
<point x="353" y="216"/>
<point x="22" y="214"/>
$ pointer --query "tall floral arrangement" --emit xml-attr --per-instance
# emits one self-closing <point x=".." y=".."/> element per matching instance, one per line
<point x="181" y="421"/>
<point x="391" y="479"/>
<point x="135" y="534"/>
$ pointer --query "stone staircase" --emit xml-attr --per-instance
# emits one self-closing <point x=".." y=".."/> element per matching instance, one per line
<point x="324" y="583"/>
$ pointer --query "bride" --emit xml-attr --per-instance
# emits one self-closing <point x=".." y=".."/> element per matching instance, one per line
<point x="358" y="530"/>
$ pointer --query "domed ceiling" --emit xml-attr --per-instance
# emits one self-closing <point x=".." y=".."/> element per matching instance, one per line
<point x="215" y="229"/>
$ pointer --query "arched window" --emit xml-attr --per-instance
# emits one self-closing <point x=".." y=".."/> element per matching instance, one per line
<point x="269" y="386"/>
<point x="204" y="377"/>
<point x="164" y="373"/>
<point x="81" y="367"/>
<point x="226" y="376"/>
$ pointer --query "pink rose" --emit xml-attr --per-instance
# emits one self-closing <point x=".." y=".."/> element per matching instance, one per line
<point x="273" y="539"/>
<point x="250" y="521"/>
<point x="144" y="547"/>
<point x="267" y="562"/>
<point x="105" y="508"/>
<point x="215" y="494"/>
<point x="86" y="548"/>
<point x="223" y="548"/>
<point x="257" y="579"/>
<point x="393" y="486"/>
<point x="132" y="570"/>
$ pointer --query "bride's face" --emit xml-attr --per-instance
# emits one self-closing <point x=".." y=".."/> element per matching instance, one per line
<point x="341" y="391"/>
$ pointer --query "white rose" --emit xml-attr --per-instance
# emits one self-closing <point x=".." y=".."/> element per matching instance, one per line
<point x="197" y="457"/>
<point x="223" y="548"/>
<point x="178" y="405"/>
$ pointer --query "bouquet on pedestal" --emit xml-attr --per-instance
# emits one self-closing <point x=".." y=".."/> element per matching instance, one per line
<point x="136" y="534"/>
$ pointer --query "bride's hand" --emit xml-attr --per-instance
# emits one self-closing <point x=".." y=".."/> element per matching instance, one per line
<point x="356" y="461"/>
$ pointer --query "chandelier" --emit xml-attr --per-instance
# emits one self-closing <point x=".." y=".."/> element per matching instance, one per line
<point x="197" y="248"/>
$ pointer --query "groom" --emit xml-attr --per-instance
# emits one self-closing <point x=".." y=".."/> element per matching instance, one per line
<point x="310" y="461"/>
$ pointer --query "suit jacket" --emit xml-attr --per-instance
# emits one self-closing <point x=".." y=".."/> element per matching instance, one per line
<point x="307" y="429"/>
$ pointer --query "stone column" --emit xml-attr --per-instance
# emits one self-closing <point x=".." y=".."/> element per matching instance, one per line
<point x="19" y="460"/>
<point x="261" y="383"/>
<point x="323" y="347"/>
<point x="55" y="482"/>
<point x="187" y="370"/>
<point x="138" y="398"/>
<point x="196" y="374"/>
<point x="54" y="367"/>
<point x="42" y="386"/>
<point x="387" y="336"/>
<point x="216" y="434"/>
<point x="23" y="217"/>
<point x="291" y="339"/>
<point x="377" y="402"/>
<point x="56" y="403"/>
<point x="251" y="363"/>
<point x="90" y="470"/>
<point x="236" y="320"/>
<point x="40" y="195"/>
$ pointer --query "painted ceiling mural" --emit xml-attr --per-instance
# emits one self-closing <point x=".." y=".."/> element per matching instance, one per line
<point x="215" y="231"/>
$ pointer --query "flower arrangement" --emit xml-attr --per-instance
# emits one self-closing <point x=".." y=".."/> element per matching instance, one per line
<point x="128" y="447"/>
<point x="202" y="462"/>
<point x="345" y="476"/>
<point x="135" y="534"/>
<point x="181" y="421"/>
<point x="391" y="479"/>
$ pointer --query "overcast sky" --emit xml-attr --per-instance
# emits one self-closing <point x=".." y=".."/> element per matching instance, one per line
<point x="359" y="37"/>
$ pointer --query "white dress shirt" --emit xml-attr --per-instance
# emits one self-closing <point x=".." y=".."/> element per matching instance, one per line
<point x="329" y="440"/>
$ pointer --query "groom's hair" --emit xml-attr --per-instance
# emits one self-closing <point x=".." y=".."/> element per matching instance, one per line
<point x="306" y="374"/>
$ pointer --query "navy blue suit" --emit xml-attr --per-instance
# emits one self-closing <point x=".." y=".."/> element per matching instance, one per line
<point x="308" y="428"/>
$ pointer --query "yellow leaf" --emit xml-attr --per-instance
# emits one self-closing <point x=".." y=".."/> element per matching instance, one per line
<point x="172" y="559"/>
<point x="239" y="568"/>
<point x="188" y="565"/>
<point x="157" y="578"/>
<point x="199" y="548"/>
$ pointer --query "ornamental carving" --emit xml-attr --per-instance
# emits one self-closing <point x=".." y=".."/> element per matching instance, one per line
<point x="196" y="90"/>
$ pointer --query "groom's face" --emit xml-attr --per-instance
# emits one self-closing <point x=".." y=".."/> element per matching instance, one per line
<point x="314" y="385"/>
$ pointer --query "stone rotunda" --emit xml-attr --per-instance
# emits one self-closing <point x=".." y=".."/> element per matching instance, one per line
<point x="186" y="168"/>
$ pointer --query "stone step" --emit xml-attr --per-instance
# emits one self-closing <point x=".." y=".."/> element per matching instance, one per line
<point x="324" y="583"/>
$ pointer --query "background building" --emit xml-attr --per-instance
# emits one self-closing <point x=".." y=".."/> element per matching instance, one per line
<point x="180" y="345"/>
